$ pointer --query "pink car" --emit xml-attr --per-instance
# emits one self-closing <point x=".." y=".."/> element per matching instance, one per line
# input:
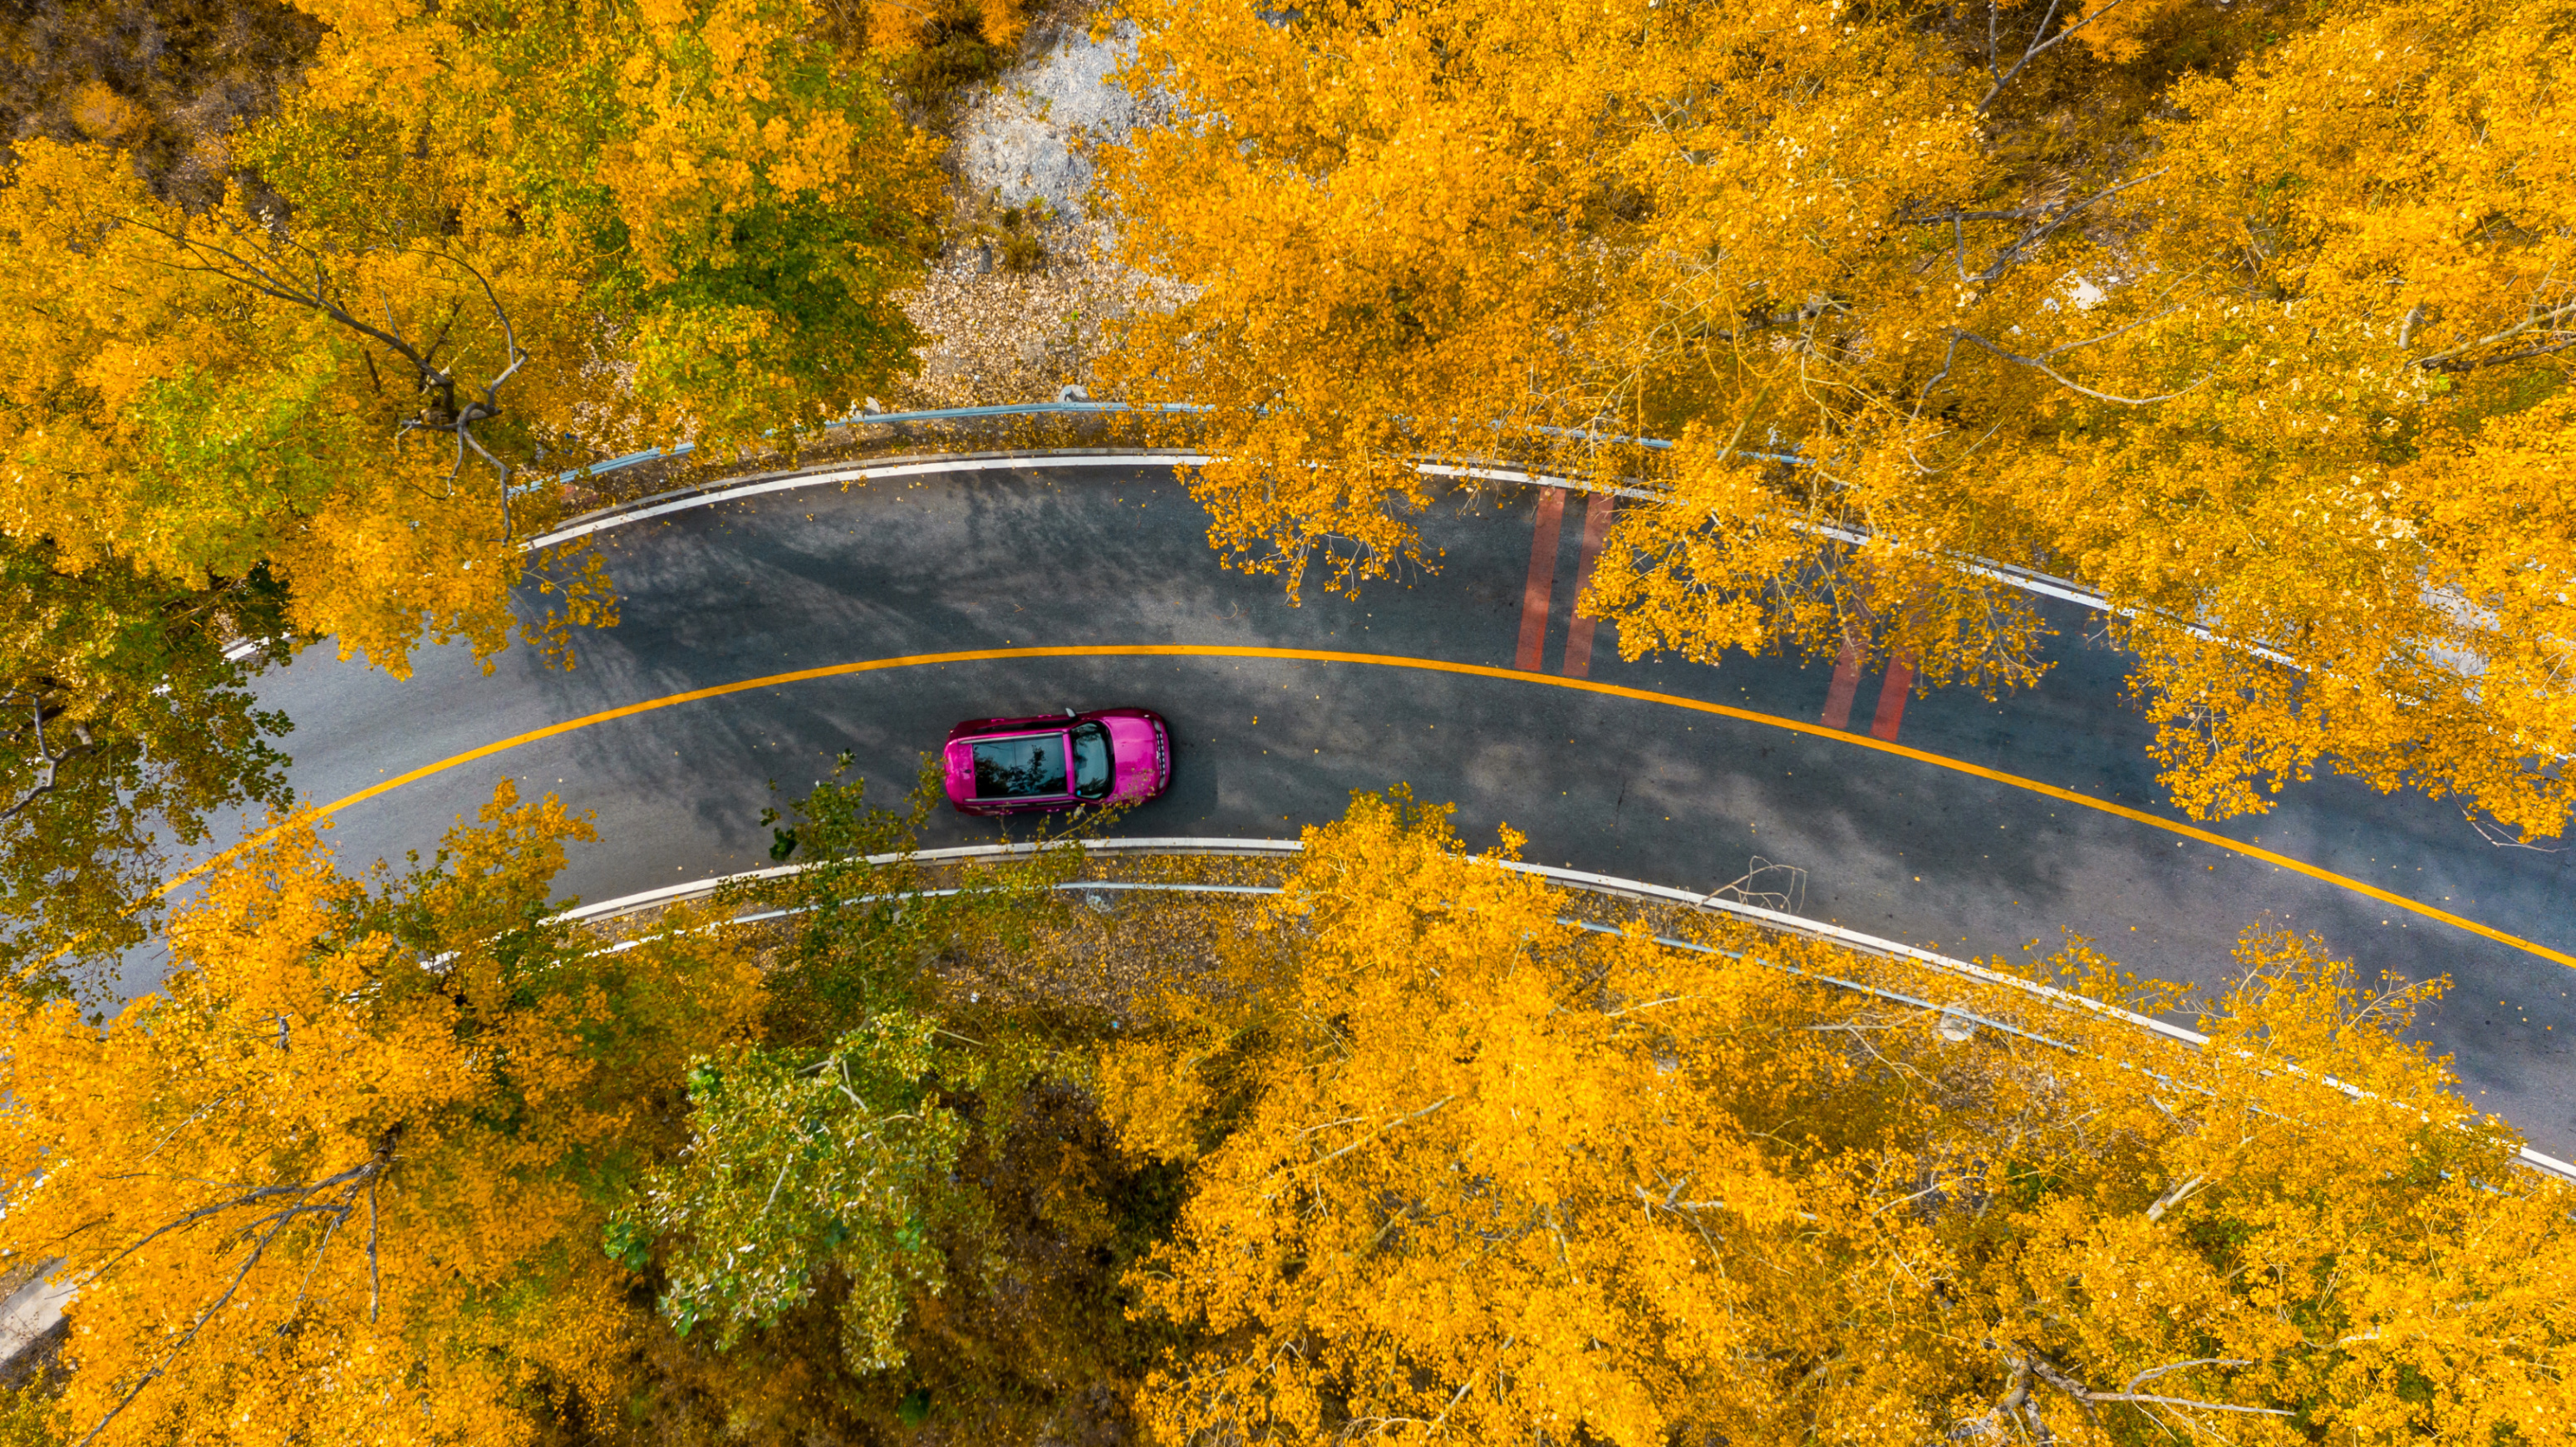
<point x="1022" y="765"/>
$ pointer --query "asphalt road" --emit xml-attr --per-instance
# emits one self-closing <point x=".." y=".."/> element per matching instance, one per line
<point x="1101" y="557"/>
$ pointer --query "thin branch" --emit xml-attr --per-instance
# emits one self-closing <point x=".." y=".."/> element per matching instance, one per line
<point x="367" y="1173"/>
<point x="1643" y="1005"/>
<point x="338" y="1214"/>
<point x="2188" y="1402"/>
<point x="2010" y="255"/>
<point x="253" y="1259"/>
<point x="1381" y="1130"/>
<point x="1328" y="1125"/>
<point x="2142" y="1378"/>
<point x="2521" y="356"/>
<point x="192" y="1217"/>
<point x="266" y="279"/>
<point x="2018" y="213"/>
<point x="465" y="439"/>
<point x="49" y="759"/>
<point x="2038" y="47"/>
<point x="2061" y="379"/>
<point x="454" y="310"/>
<point x="2106" y="336"/>
<point x="2167" y="1202"/>
<point x="2533" y="318"/>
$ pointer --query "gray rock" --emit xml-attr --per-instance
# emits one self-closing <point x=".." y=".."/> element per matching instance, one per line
<point x="1025" y="138"/>
<point x="31" y="1319"/>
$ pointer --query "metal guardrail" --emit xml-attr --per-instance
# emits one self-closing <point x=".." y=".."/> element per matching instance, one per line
<point x="1769" y="919"/>
<point x="1065" y="404"/>
<point x="2011" y="575"/>
<point x="700" y="494"/>
<point x="1070" y="401"/>
<point x="940" y="414"/>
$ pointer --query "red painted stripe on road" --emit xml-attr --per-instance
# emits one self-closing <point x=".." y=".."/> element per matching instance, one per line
<point x="1891" y="697"/>
<point x="1846" y="679"/>
<point x="1578" y="634"/>
<point x="1542" y="581"/>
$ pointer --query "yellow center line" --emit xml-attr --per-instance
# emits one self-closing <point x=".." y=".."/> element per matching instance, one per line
<point x="1432" y="665"/>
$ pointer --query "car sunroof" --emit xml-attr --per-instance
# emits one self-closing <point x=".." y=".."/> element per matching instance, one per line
<point x="1026" y="767"/>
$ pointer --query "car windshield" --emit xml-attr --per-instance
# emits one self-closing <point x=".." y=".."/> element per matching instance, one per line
<point x="1090" y="760"/>
<point x="1029" y="766"/>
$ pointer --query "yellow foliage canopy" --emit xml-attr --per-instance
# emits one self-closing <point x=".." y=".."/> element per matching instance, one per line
<point x="349" y="1169"/>
<point x="2258" y="325"/>
<point x="1465" y="1171"/>
<point x="485" y="240"/>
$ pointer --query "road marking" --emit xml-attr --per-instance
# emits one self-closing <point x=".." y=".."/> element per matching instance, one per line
<point x="1891" y="697"/>
<point x="1542" y="581"/>
<point x="1425" y="665"/>
<point x="1578" y="634"/>
<point x="1838" y="697"/>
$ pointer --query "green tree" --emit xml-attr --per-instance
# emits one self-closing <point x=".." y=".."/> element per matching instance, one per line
<point x="858" y="1149"/>
<point x="123" y="731"/>
<point x="899" y="1200"/>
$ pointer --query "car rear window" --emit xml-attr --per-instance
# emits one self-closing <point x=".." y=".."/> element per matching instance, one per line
<point x="1029" y="766"/>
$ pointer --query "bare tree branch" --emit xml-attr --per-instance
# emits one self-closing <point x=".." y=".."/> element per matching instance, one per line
<point x="375" y="1269"/>
<point x="2037" y="47"/>
<point x="2537" y="316"/>
<point x="1381" y="1130"/>
<point x="2153" y="1372"/>
<point x="2156" y="1212"/>
<point x="48" y="759"/>
<point x="312" y="1264"/>
<point x="442" y="414"/>
<point x="199" y="1325"/>
<point x="2187" y="1402"/>
<point x="2020" y="247"/>
<point x="2036" y="364"/>
<point x="262" y="1233"/>
<point x="2030" y="1364"/>
<point x="191" y="1218"/>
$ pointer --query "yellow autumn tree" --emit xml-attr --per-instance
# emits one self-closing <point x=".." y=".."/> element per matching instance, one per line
<point x="1462" y="1169"/>
<point x="479" y="241"/>
<point x="343" y="1177"/>
<point x="2255" y="323"/>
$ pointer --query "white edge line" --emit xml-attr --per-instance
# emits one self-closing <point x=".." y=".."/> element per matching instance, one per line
<point x="1170" y="844"/>
<point x="2042" y="584"/>
<point x="2015" y="577"/>
<point x="1576" y="878"/>
<point x="856" y="474"/>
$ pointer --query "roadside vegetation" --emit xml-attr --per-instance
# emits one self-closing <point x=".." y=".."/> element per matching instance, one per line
<point x="311" y="306"/>
<point x="473" y="245"/>
<point x="2255" y="316"/>
<point x="1412" y="1147"/>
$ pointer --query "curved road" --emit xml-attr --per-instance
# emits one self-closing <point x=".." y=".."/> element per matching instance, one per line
<point x="1983" y="828"/>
